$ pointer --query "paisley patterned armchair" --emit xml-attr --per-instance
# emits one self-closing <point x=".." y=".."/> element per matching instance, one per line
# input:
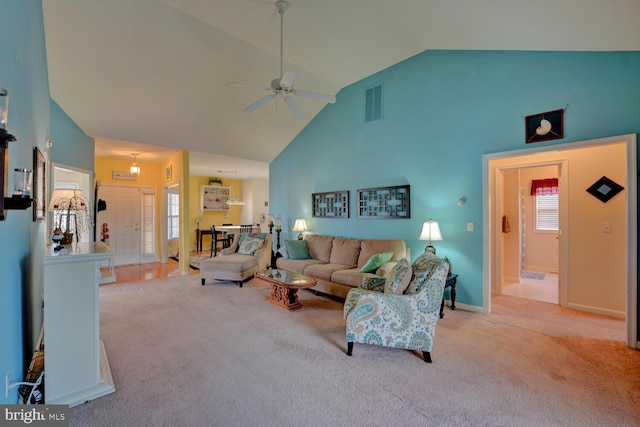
<point x="406" y="320"/>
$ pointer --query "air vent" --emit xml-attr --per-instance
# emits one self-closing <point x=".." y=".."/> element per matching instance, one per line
<point x="373" y="104"/>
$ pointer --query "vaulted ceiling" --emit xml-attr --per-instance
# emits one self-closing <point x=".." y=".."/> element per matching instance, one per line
<point x="149" y="76"/>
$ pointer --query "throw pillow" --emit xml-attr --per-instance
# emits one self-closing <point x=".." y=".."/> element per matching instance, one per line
<point x="375" y="261"/>
<point x="297" y="249"/>
<point x="399" y="278"/>
<point x="250" y="245"/>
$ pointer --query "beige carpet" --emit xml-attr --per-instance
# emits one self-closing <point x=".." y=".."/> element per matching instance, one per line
<point x="183" y="354"/>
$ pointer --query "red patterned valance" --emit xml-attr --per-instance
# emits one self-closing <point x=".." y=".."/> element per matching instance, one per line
<point x="544" y="187"/>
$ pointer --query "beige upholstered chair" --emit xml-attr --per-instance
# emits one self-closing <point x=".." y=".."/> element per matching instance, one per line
<point x="234" y="266"/>
<point x="407" y="320"/>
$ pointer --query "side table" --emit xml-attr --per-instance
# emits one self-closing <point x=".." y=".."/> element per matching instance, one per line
<point x="452" y="280"/>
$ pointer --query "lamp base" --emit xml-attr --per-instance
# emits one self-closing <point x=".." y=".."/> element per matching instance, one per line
<point x="300" y="236"/>
<point x="430" y="248"/>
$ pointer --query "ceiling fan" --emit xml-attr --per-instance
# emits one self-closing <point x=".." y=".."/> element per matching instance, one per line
<point x="283" y="86"/>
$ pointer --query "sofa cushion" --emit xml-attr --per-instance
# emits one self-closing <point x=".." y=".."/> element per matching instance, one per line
<point x="319" y="246"/>
<point x="297" y="249"/>
<point x="295" y="265"/>
<point x="323" y="271"/>
<point x="399" y="278"/>
<point x="376" y="261"/>
<point x="350" y="277"/>
<point x="250" y="245"/>
<point x="369" y="247"/>
<point x="345" y="251"/>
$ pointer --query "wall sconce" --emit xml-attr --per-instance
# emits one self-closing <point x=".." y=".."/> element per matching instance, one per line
<point x="134" y="168"/>
<point x="430" y="232"/>
<point x="21" y="198"/>
<point x="300" y="226"/>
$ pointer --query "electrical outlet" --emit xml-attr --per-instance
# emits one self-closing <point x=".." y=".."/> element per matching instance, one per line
<point x="469" y="226"/>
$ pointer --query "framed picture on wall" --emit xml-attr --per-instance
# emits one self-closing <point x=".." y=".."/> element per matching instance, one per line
<point x="39" y="185"/>
<point x="167" y="173"/>
<point x="544" y="126"/>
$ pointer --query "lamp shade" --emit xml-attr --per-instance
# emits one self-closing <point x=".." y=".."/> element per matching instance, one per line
<point x="300" y="225"/>
<point x="431" y="231"/>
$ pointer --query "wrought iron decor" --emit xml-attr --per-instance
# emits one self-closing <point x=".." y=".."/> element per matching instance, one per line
<point x="385" y="202"/>
<point x="333" y="204"/>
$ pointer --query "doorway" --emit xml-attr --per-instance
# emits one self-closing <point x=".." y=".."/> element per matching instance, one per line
<point x="600" y="276"/>
<point x="530" y="227"/>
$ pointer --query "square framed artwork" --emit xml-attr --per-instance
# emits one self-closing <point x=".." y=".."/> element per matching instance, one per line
<point x="331" y="204"/>
<point x="385" y="202"/>
<point x="544" y="126"/>
<point x="168" y="173"/>
<point x="605" y="189"/>
<point x="39" y="185"/>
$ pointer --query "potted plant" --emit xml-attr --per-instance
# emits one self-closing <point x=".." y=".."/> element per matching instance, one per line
<point x="215" y="181"/>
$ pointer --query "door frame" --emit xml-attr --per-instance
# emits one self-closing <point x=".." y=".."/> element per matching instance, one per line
<point x="492" y="263"/>
<point x="563" y="210"/>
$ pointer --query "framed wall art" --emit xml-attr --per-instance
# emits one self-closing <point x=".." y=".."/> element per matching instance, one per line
<point x="332" y="204"/>
<point x="385" y="202"/>
<point x="39" y="185"/>
<point x="168" y="174"/>
<point x="544" y="126"/>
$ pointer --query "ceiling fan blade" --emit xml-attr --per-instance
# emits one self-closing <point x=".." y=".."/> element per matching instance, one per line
<point x="259" y="103"/>
<point x="313" y="95"/>
<point x="293" y="107"/>
<point x="288" y="79"/>
<point x="249" y="85"/>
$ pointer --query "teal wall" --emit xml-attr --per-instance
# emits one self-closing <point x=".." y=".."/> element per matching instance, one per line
<point x="23" y="71"/>
<point x="442" y="111"/>
<point x="71" y="146"/>
<point x="33" y="117"/>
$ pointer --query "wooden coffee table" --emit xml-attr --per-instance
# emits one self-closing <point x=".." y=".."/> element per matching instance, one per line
<point x="284" y="287"/>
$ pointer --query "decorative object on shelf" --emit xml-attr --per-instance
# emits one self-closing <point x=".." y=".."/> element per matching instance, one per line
<point x="215" y="181"/>
<point x="70" y="214"/>
<point x="39" y="185"/>
<point x="605" y="189"/>
<point x="168" y="173"/>
<point x="214" y="198"/>
<point x="430" y="232"/>
<point x="57" y="237"/>
<point x="134" y="168"/>
<point x="104" y="234"/>
<point x="17" y="201"/>
<point x="544" y="126"/>
<point x="385" y="202"/>
<point x="22" y="180"/>
<point x="332" y="204"/>
<point x="300" y="226"/>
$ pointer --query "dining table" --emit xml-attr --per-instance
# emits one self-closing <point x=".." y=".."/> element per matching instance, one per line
<point x="227" y="229"/>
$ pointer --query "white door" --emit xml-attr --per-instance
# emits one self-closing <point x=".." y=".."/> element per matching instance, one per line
<point x="123" y="219"/>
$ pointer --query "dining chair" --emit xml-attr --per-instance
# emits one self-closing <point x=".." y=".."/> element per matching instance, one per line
<point x="218" y="237"/>
<point x="244" y="228"/>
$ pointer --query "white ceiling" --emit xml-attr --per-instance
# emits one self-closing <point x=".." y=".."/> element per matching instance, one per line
<point x="146" y="75"/>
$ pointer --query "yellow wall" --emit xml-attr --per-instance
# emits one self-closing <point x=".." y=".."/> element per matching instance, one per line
<point x="209" y="218"/>
<point x="150" y="176"/>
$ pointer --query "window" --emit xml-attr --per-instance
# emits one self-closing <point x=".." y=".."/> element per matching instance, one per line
<point x="547" y="212"/>
<point x="148" y="224"/>
<point x="173" y="221"/>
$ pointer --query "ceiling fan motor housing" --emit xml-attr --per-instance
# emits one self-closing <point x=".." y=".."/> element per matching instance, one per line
<point x="282" y="6"/>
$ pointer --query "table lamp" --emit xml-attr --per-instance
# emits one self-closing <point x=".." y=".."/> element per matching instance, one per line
<point x="300" y="225"/>
<point x="430" y="232"/>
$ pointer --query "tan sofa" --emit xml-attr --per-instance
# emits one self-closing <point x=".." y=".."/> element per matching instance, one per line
<point x="236" y="267"/>
<point x="335" y="261"/>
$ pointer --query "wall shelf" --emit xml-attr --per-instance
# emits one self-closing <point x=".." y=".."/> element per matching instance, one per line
<point x="214" y="198"/>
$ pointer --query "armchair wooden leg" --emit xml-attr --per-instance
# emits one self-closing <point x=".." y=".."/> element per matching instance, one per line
<point x="202" y="282"/>
<point x="349" y="348"/>
<point x="427" y="356"/>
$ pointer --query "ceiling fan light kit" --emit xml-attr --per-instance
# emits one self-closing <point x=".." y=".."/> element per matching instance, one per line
<point x="283" y="86"/>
